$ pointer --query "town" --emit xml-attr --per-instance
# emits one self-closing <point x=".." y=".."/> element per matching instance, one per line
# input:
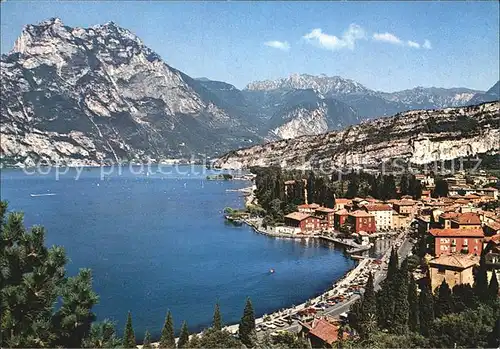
<point x="445" y="228"/>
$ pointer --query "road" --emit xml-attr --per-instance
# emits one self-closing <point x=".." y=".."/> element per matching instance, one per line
<point x="334" y="311"/>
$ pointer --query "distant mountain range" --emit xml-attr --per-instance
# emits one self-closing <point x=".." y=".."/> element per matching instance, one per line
<point x="88" y="95"/>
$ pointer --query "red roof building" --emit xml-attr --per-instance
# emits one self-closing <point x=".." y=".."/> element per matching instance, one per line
<point x="339" y="218"/>
<point x="304" y="221"/>
<point x="362" y="221"/>
<point x="321" y="333"/>
<point x="450" y="241"/>
<point x="468" y="220"/>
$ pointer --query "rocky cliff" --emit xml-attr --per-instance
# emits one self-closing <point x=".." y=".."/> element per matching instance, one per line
<point x="88" y="95"/>
<point x="419" y="136"/>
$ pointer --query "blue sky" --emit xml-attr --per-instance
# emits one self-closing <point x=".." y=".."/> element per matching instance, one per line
<point x="380" y="44"/>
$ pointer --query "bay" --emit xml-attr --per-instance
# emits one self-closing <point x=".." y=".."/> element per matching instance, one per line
<point x="158" y="242"/>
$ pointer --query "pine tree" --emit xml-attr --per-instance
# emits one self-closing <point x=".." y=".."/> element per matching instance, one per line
<point x="403" y="185"/>
<point x="194" y="342"/>
<point x="167" y="339"/>
<point x="413" y="318"/>
<point x="147" y="340"/>
<point x="393" y="266"/>
<point x="401" y="305"/>
<point x="463" y="298"/>
<point x="128" y="334"/>
<point x="444" y="302"/>
<point x="247" y="325"/>
<point x="481" y="279"/>
<point x="493" y="287"/>
<point x="217" y="319"/>
<point x="368" y="309"/>
<point x="184" y="336"/>
<point x="426" y="308"/>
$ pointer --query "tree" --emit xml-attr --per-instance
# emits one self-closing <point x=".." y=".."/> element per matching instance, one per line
<point x="184" y="336"/>
<point x="494" y="336"/>
<point x="368" y="309"/>
<point x="393" y="266"/>
<point x="213" y="338"/>
<point x="493" y="287"/>
<point x="401" y="305"/>
<point x="194" y="342"/>
<point x="426" y="308"/>
<point x="128" y="334"/>
<point x="147" y="340"/>
<point x="217" y="319"/>
<point x="102" y="335"/>
<point x="403" y="185"/>
<point x="247" y="325"/>
<point x="463" y="298"/>
<point x="32" y="279"/>
<point x="413" y="317"/>
<point x="481" y="279"/>
<point x="441" y="189"/>
<point x="444" y="302"/>
<point x="167" y="338"/>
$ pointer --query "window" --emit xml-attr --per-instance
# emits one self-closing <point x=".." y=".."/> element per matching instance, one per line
<point x="441" y="270"/>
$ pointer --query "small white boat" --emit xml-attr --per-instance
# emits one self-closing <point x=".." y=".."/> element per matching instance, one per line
<point x="48" y="194"/>
<point x="271" y="271"/>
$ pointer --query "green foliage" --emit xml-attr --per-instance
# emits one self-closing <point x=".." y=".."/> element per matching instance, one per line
<point x="441" y="188"/>
<point x="102" y="335"/>
<point x="481" y="280"/>
<point x="146" y="344"/>
<point x="184" y="336"/>
<point x="463" y="298"/>
<point x="128" y="334"/>
<point x="414" y="311"/>
<point x="426" y="308"/>
<point x="247" y="325"/>
<point x="217" y="319"/>
<point x="368" y="314"/>
<point x="32" y="280"/>
<point x="493" y="287"/>
<point x="213" y="338"/>
<point x="401" y="305"/>
<point x="167" y="338"/>
<point x="289" y="340"/>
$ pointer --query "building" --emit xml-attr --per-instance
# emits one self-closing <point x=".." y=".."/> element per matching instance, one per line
<point x="326" y="215"/>
<point x="492" y="255"/>
<point x="404" y="207"/>
<point x="445" y="219"/>
<point x="304" y="221"/>
<point x="400" y="221"/>
<point x="451" y="241"/>
<point x="359" y="203"/>
<point x="307" y="208"/>
<point x="340" y="203"/>
<point x="491" y="192"/>
<point x="362" y="221"/>
<point x="339" y="218"/>
<point x="383" y="215"/>
<point x="467" y="220"/>
<point x="455" y="270"/>
<point x="491" y="228"/>
<point x="321" y="333"/>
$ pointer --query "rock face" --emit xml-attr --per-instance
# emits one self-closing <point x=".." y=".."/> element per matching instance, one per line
<point x="85" y="95"/>
<point x="419" y="136"/>
<point x="493" y="94"/>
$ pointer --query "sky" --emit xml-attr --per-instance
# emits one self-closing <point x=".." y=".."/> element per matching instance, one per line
<point x="384" y="45"/>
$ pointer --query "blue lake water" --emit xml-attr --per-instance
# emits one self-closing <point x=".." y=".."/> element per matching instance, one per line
<point x="160" y="242"/>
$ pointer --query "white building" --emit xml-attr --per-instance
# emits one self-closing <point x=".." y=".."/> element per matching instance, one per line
<point x="382" y="213"/>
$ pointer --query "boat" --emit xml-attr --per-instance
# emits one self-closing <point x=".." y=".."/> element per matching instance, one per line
<point x="271" y="271"/>
<point x="48" y="194"/>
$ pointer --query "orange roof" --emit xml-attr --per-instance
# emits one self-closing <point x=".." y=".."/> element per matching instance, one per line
<point x="457" y="232"/>
<point x="378" y="207"/>
<point x="467" y="218"/>
<point x="405" y="202"/>
<point x="495" y="239"/>
<point x="325" y="210"/>
<point x="297" y="216"/>
<point x="342" y="201"/>
<point x="342" y="212"/>
<point x="493" y="225"/>
<point x="449" y="215"/>
<point x="324" y="330"/>
<point x="489" y="189"/>
<point x="460" y="261"/>
<point x="360" y="213"/>
<point x="311" y="206"/>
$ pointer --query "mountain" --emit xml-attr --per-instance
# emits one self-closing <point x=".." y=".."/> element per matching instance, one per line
<point x="418" y="136"/>
<point x="87" y="95"/>
<point x="370" y="103"/>
<point x="493" y="94"/>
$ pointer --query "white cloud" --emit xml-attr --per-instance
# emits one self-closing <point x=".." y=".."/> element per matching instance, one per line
<point x="332" y="42"/>
<point x="427" y="44"/>
<point x="280" y="45"/>
<point x="413" y="44"/>
<point x="387" y="37"/>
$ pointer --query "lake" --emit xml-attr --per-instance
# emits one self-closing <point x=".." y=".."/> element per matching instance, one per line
<point x="159" y="242"/>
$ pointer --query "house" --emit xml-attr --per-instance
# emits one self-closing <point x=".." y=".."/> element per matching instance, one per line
<point x="359" y="203"/>
<point x="425" y="180"/>
<point x="491" y="192"/>
<point x="492" y="255"/>
<point x="404" y="207"/>
<point x="491" y="228"/>
<point x="307" y="208"/>
<point x="423" y="224"/>
<point x="445" y="219"/>
<point x="456" y="269"/>
<point x="400" y="221"/>
<point x="326" y="216"/>
<point x="321" y="333"/>
<point x="362" y="221"/>
<point x="450" y="241"/>
<point x="382" y="213"/>
<point x="339" y="218"/>
<point x="340" y="203"/>
<point x="426" y="194"/>
<point x="304" y="221"/>
<point x="467" y="220"/>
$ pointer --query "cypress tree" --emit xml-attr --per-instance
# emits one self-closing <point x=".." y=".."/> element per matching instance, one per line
<point x="481" y="280"/>
<point x="247" y="325"/>
<point x="403" y="185"/>
<point x="368" y="309"/>
<point x="444" y="302"/>
<point x="493" y="288"/>
<point x="401" y="305"/>
<point x="167" y="339"/>
<point x="426" y="308"/>
<point x="413" y="318"/>
<point x="128" y="334"/>
<point x="217" y="320"/>
<point x="184" y="336"/>
<point x="463" y="298"/>
<point x="392" y="268"/>
<point x="147" y="340"/>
